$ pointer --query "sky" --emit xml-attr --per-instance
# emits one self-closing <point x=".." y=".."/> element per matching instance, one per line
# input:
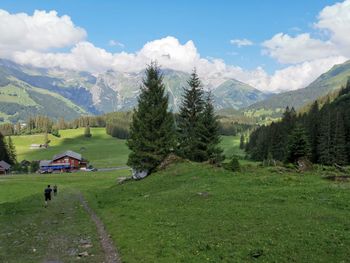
<point x="272" y="45"/>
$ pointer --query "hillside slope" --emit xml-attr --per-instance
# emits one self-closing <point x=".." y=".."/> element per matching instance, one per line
<point x="332" y="80"/>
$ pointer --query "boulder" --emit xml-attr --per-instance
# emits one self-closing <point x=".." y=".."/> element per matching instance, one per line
<point x="138" y="175"/>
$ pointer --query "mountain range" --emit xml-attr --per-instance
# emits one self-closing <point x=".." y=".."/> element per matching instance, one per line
<point x="328" y="82"/>
<point x="26" y="90"/>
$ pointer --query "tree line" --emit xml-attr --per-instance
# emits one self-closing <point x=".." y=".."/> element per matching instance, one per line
<point x="155" y="132"/>
<point x="7" y="150"/>
<point x="321" y="135"/>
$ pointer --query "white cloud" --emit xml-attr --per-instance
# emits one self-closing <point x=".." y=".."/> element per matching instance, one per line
<point x="333" y="22"/>
<point x="114" y="43"/>
<point x="241" y="42"/>
<point x="41" y="31"/>
<point x="300" y="75"/>
<point x="287" y="49"/>
<point x="35" y="40"/>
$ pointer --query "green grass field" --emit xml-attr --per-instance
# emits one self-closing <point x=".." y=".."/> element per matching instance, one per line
<point x="32" y="233"/>
<point x="101" y="149"/>
<point x="187" y="213"/>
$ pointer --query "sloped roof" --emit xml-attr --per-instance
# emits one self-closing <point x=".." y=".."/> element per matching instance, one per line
<point x="71" y="154"/>
<point x="5" y="165"/>
<point x="44" y="163"/>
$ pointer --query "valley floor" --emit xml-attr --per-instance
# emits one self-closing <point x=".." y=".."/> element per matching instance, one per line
<point x="186" y="213"/>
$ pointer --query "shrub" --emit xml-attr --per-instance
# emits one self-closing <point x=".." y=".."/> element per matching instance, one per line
<point x="233" y="165"/>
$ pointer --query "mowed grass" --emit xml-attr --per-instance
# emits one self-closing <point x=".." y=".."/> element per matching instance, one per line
<point x="32" y="233"/>
<point x="101" y="149"/>
<point x="196" y="213"/>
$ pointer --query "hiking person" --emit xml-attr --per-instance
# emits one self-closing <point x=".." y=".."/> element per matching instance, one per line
<point x="47" y="194"/>
<point x="55" y="190"/>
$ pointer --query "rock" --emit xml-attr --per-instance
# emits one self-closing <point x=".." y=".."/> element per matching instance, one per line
<point x="83" y="254"/>
<point x="256" y="253"/>
<point x="138" y="175"/>
<point x="204" y="194"/>
<point x="86" y="245"/>
<point x="304" y="165"/>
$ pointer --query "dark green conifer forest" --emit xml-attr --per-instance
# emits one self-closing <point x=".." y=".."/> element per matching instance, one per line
<point x="322" y="134"/>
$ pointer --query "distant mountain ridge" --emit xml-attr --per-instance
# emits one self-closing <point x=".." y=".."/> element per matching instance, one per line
<point x="328" y="82"/>
<point x="26" y="90"/>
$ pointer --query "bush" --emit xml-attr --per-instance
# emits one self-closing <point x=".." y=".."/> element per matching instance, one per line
<point x="233" y="165"/>
<point x="56" y="133"/>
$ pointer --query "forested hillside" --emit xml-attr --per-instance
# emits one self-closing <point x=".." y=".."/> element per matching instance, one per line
<point x="322" y="134"/>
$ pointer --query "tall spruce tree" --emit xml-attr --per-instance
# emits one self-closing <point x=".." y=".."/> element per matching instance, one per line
<point x="152" y="129"/>
<point x="209" y="132"/>
<point x="4" y="155"/>
<point x="326" y="147"/>
<point x="87" y="132"/>
<point x="298" y="145"/>
<point x="11" y="150"/>
<point x="241" y="141"/>
<point x="340" y="155"/>
<point x="191" y="145"/>
<point x="313" y="128"/>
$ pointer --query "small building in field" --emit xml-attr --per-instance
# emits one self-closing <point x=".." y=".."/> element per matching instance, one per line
<point x="4" y="167"/>
<point x="64" y="162"/>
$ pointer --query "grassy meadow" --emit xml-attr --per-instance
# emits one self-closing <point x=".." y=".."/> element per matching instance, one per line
<point x="186" y="213"/>
<point x="101" y="149"/>
<point x="32" y="233"/>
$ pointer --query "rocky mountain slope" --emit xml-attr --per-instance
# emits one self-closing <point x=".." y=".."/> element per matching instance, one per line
<point x="27" y="90"/>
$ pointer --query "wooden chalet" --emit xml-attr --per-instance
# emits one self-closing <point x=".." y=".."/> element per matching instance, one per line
<point x="64" y="162"/>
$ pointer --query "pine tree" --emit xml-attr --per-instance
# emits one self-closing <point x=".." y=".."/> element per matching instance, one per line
<point x="241" y="141"/>
<point x="189" y="127"/>
<point x="340" y="155"/>
<point x="18" y="128"/>
<point x="11" y="150"/>
<point x="326" y="147"/>
<point x="152" y="129"/>
<point x="87" y="132"/>
<point x="209" y="132"/>
<point x="313" y="128"/>
<point x="298" y="145"/>
<point x="4" y="155"/>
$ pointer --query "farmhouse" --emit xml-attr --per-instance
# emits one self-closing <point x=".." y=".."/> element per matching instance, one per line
<point x="4" y="167"/>
<point x="67" y="161"/>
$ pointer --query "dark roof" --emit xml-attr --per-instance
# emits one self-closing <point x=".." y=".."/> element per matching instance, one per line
<point x="5" y="165"/>
<point x="71" y="154"/>
<point x="44" y="163"/>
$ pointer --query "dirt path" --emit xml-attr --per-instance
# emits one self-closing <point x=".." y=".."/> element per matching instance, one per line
<point x="106" y="242"/>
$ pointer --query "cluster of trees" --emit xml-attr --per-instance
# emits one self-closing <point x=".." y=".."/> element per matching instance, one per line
<point x="155" y="132"/>
<point x="229" y="127"/>
<point x="118" y="124"/>
<point x="322" y="134"/>
<point x="7" y="150"/>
